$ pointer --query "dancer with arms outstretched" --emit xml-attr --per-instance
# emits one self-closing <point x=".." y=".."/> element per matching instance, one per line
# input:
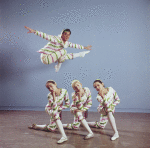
<point x="54" y="52"/>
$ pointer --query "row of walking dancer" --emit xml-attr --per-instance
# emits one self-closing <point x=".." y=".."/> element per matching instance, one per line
<point x="81" y="102"/>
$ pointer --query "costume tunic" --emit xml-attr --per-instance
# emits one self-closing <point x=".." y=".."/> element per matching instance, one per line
<point x="84" y="104"/>
<point x="54" y="51"/>
<point x="54" y="108"/>
<point x="107" y="104"/>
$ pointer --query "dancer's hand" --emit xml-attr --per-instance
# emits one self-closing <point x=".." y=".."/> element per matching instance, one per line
<point x="79" y="94"/>
<point x="103" y="112"/>
<point x="30" y="30"/>
<point x="79" y="110"/>
<point x="54" y="96"/>
<point x="88" y="47"/>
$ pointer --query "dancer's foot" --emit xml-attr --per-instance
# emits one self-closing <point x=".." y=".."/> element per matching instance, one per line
<point x="63" y="139"/>
<point x="69" y="126"/>
<point x="32" y="126"/>
<point x="57" y="67"/>
<point x="90" y="135"/>
<point x="115" y="136"/>
<point x="82" y="54"/>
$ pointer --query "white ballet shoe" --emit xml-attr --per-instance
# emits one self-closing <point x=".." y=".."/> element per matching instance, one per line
<point x="90" y="135"/>
<point x="32" y="126"/>
<point x="115" y="136"/>
<point x="82" y="54"/>
<point x="57" y="67"/>
<point x="63" y="139"/>
<point x="68" y="126"/>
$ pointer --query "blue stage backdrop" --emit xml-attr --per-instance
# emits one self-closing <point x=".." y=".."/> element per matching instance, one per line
<point x="118" y="30"/>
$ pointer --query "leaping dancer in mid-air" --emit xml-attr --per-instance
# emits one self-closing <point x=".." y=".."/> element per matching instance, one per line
<point x="54" y="52"/>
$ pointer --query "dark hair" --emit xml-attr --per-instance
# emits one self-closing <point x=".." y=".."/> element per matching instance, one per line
<point x="49" y="82"/>
<point x="98" y="80"/>
<point x="66" y="30"/>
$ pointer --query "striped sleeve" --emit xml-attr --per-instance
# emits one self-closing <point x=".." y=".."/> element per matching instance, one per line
<point x="73" y="107"/>
<point x="100" y="107"/>
<point x="99" y="98"/>
<point x="116" y="98"/>
<point x="88" y="103"/>
<point x="51" y="103"/>
<point x="72" y="45"/>
<point x="45" y="36"/>
<point x="48" y="109"/>
<point x="67" y="101"/>
<point x="54" y="106"/>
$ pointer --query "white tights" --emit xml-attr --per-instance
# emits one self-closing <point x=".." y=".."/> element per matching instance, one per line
<point x="59" y="124"/>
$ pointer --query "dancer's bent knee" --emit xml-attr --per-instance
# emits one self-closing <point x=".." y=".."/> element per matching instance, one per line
<point x="47" y="59"/>
<point x="53" y="57"/>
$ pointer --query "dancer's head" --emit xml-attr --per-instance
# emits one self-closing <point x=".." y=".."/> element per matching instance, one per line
<point x="98" y="85"/>
<point x="51" y="85"/>
<point x="66" y="30"/>
<point x="66" y="34"/>
<point x="76" y="85"/>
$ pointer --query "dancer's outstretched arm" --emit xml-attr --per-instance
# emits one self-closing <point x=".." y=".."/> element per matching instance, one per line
<point x="72" y="45"/>
<point x="41" y="34"/>
<point x="88" y="47"/>
<point x="30" y="30"/>
<point x="50" y="38"/>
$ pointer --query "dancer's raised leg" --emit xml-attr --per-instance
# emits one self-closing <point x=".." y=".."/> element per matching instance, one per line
<point x="69" y="56"/>
<point x="53" y="56"/>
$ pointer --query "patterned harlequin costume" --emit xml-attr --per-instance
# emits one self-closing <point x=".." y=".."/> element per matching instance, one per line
<point x="54" y="51"/>
<point x="107" y="104"/>
<point x="54" y="109"/>
<point x="84" y="104"/>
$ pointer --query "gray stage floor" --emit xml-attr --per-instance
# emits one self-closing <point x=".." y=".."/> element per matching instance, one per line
<point x="134" y="131"/>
